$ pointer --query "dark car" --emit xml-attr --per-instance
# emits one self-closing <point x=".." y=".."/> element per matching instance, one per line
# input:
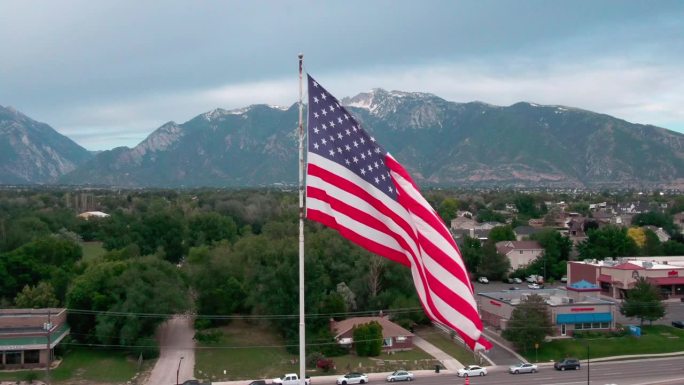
<point x="678" y="324"/>
<point x="195" y="382"/>
<point x="258" y="382"/>
<point x="568" y="363"/>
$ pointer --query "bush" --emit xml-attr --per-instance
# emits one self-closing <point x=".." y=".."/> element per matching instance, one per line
<point x="313" y="358"/>
<point x="211" y="336"/>
<point x="326" y="364"/>
<point x="202" y="324"/>
<point x="148" y="348"/>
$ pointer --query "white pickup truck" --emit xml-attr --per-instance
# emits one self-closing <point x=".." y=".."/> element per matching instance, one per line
<point x="290" y="379"/>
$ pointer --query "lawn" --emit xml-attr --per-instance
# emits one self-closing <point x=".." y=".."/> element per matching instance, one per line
<point x="247" y="351"/>
<point x="446" y="344"/>
<point x="92" y="250"/>
<point x="86" y="365"/>
<point x="654" y="339"/>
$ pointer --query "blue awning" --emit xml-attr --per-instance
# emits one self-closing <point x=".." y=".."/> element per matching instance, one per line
<point x="583" y="318"/>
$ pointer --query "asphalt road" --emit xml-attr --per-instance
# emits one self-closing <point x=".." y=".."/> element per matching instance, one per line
<point x="177" y="352"/>
<point x="661" y="371"/>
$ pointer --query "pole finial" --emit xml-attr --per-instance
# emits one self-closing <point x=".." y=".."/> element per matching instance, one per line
<point x="300" y="56"/>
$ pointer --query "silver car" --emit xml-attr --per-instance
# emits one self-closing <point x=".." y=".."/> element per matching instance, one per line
<point x="472" y="370"/>
<point x="523" y="367"/>
<point x="352" y="378"/>
<point x="400" y="375"/>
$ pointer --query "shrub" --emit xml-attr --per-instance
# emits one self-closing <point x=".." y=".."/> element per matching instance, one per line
<point x="30" y="376"/>
<point x="326" y="364"/>
<point x="211" y="336"/>
<point x="313" y="358"/>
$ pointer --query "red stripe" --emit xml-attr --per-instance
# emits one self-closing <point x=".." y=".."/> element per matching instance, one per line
<point x="355" y="237"/>
<point x="354" y="189"/>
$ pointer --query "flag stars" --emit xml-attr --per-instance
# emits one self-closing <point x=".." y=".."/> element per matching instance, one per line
<point x="324" y="142"/>
<point x="339" y="120"/>
<point x="316" y="115"/>
<point x="339" y="150"/>
<point x="339" y="135"/>
<point x="347" y="147"/>
<point x="315" y="130"/>
<point x="355" y="144"/>
<point x="316" y="145"/>
<point x="332" y="108"/>
<point x="347" y="161"/>
<point x="323" y="126"/>
<point x="355" y="159"/>
<point x="332" y="152"/>
<point x="315" y="99"/>
<point x="346" y="117"/>
<point x="362" y="140"/>
<point x="331" y="124"/>
<point x="324" y="112"/>
<point x="347" y="132"/>
<point x="323" y="96"/>
<point x="363" y="156"/>
<point x="363" y="171"/>
<point x="315" y="84"/>
<point x="377" y="180"/>
<point x="332" y="138"/>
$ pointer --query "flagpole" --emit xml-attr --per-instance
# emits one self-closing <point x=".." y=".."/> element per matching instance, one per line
<point x="302" y="340"/>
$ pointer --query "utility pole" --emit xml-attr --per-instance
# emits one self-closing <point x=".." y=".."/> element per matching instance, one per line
<point x="48" y="326"/>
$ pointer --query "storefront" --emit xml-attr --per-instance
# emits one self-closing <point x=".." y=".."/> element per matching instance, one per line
<point x="616" y="277"/>
<point x="573" y="308"/>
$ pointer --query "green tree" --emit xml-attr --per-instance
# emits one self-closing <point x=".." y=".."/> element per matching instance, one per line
<point x="448" y="209"/>
<point x="501" y="233"/>
<point x="206" y="228"/>
<point x="471" y="251"/>
<point x="368" y="339"/>
<point x="529" y="324"/>
<point x="493" y="265"/>
<point x="656" y="219"/>
<point x="643" y="302"/>
<point x="39" y="296"/>
<point x="609" y="241"/>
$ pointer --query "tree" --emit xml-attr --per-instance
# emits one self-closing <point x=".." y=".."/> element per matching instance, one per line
<point x="368" y="339"/>
<point x="448" y="209"/>
<point x="493" y="265"/>
<point x="471" y="251"/>
<point x="609" y="241"/>
<point x="638" y="235"/>
<point x="529" y="323"/>
<point x="643" y="302"/>
<point x="501" y="233"/>
<point x="40" y="296"/>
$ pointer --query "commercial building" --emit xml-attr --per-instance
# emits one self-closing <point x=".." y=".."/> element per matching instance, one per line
<point x="28" y="336"/>
<point x="575" y="307"/>
<point x="616" y="276"/>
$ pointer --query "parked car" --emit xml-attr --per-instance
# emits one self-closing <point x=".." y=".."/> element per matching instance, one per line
<point x="564" y="279"/>
<point x="523" y="367"/>
<point x="483" y="280"/>
<point x="535" y="286"/>
<point x="567" y="363"/>
<point x="517" y="280"/>
<point x="258" y="382"/>
<point x="678" y="324"/>
<point x="400" y="375"/>
<point x="352" y="378"/>
<point x="472" y="370"/>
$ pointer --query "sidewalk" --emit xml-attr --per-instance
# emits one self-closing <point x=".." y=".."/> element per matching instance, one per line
<point x="448" y="362"/>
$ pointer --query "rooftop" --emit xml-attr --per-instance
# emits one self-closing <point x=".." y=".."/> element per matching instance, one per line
<point x="553" y="297"/>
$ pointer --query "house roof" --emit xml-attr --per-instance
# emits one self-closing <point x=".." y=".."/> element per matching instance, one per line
<point x="505" y="247"/>
<point x="389" y="328"/>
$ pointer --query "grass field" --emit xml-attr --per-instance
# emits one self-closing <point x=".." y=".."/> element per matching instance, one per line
<point x="92" y="250"/>
<point x="654" y="339"/>
<point x="446" y="344"/>
<point x="86" y="366"/>
<point x="251" y="352"/>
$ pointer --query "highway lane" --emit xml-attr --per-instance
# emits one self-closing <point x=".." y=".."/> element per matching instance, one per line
<point x="663" y="371"/>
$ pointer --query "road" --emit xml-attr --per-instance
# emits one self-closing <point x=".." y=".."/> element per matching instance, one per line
<point x="661" y="371"/>
<point x="177" y="352"/>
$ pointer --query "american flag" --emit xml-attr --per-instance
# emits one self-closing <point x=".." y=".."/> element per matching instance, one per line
<point x="357" y="188"/>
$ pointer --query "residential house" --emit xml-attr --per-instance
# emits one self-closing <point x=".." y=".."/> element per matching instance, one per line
<point x="662" y="235"/>
<point x="520" y="253"/>
<point x="523" y="233"/>
<point x="395" y="337"/>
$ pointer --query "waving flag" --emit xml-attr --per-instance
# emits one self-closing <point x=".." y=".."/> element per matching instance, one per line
<point x="357" y="188"/>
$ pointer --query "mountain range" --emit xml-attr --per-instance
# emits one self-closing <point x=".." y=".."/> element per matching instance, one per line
<point x="441" y="143"/>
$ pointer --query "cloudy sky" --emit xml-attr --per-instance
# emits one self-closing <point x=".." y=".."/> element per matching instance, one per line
<point x="108" y="73"/>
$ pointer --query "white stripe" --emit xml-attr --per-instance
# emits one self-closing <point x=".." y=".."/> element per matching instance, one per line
<point x="428" y="231"/>
<point x="464" y="323"/>
<point x="362" y="204"/>
<point x="461" y="288"/>
<point x="359" y="228"/>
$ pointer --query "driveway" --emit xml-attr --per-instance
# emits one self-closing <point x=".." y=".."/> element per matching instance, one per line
<point x="177" y="352"/>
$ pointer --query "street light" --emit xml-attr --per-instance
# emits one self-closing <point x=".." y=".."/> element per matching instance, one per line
<point x="178" y="371"/>
<point x="588" y="362"/>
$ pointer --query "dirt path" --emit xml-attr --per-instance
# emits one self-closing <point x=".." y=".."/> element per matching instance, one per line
<point x="176" y="347"/>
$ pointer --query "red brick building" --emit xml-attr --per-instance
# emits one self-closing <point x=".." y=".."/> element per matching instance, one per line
<point x="24" y="336"/>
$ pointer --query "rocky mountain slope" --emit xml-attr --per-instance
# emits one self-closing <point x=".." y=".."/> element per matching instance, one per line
<point x="34" y="153"/>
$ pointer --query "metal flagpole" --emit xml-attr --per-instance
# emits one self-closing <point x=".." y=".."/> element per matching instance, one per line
<point x="302" y="350"/>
